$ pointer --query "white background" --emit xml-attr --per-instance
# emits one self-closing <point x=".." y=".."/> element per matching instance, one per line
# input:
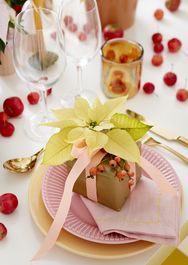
<point x="24" y="238"/>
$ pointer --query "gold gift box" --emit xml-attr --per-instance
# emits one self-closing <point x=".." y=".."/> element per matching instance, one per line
<point x="112" y="191"/>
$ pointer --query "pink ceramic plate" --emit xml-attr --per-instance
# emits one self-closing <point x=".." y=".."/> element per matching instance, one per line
<point x="79" y="221"/>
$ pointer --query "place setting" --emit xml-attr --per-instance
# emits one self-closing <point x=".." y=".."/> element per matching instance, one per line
<point x="99" y="187"/>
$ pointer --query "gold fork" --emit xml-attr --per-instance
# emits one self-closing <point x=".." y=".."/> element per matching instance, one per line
<point x="152" y="142"/>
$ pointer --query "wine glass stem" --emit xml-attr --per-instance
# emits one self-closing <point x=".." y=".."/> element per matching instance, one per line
<point x="45" y="105"/>
<point x="79" y="80"/>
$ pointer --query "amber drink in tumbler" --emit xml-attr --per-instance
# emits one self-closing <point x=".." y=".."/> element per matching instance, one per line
<point x="121" y="67"/>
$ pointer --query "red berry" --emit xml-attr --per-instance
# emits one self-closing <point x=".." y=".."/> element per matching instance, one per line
<point x="157" y="59"/>
<point x="110" y="55"/>
<point x="100" y="168"/>
<point x="112" y="31"/>
<point x="7" y="129"/>
<point x="148" y="88"/>
<point x="121" y="174"/>
<point x="113" y="163"/>
<point x="172" y="5"/>
<point x="3" y="231"/>
<point x="174" y="45"/>
<point x="72" y="27"/>
<point x="170" y="78"/>
<point x="182" y="94"/>
<point x="93" y="171"/>
<point x="123" y="58"/>
<point x="49" y="91"/>
<point x="8" y="203"/>
<point x="157" y="37"/>
<point x="158" y="47"/>
<point x="17" y="8"/>
<point x="33" y="98"/>
<point x="87" y="28"/>
<point x="13" y="106"/>
<point x="159" y="14"/>
<point x="68" y="20"/>
<point x="82" y="36"/>
<point x="3" y="118"/>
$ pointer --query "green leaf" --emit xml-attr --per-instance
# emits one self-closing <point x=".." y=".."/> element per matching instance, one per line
<point x="2" y="46"/>
<point x="95" y="140"/>
<point x="134" y="127"/>
<point x="57" y="151"/>
<point x="48" y="60"/>
<point x="121" y="144"/>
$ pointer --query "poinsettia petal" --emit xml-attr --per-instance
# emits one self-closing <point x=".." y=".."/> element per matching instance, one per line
<point x="113" y="106"/>
<point x="64" y="124"/>
<point x="76" y="134"/>
<point x="64" y="114"/>
<point x="81" y="108"/>
<point x="104" y="126"/>
<point x="121" y="144"/>
<point x="57" y="151"/>
<point x="95" y="140"/>
<point x="134" y="127"/>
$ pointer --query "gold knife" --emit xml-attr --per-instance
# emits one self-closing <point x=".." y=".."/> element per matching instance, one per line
<point x="157" y="130"/>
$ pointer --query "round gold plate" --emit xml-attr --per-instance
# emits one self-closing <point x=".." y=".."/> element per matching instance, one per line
<point x="70" y="242"/>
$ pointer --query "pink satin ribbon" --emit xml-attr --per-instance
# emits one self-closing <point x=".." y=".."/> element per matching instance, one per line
<point x="83" y="162"/>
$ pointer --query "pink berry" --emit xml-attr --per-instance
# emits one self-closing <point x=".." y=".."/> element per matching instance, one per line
<point x="174" y="45"/>
<point x="117" y="159"/>
<point x="49" y="91"/>
<point x="82" y="36"/>
<point x="130" y="174"/>
<point x="33" y="98"/>
<point x="148" y="88"/>
<point x="159" y="14"/>
<point x="182" y="94"/>
<point x="113" y="163"/>
<point x="158" y="47"/>
<point x="100" y="168"/>
<point x="68" y="20"/>
<point x="8" y="203"/>
<point x="157" y="60"/>
<point x="121" y="174"/>
<point x="93" y="171"/>
<point x="3" y="231"/>
<point x="131" y="182"/>
<point x="127" y="167"/>
<point x="170" y="78"/>
<point x="7" y="129"/>
<point x="13" y="106"/>
<point x="72" y="27"/>
<point x="157" y="37"/>
<point x="87" y="28"/>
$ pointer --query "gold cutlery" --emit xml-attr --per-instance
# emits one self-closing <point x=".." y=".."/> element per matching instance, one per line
<point x="152" y="142"/>
<point x="22" y="164"/>
<point x="159" y="131"/>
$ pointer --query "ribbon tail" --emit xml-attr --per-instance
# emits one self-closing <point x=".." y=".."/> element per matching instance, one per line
<point x="53" y="233"/>
<point x="157" y="177"/>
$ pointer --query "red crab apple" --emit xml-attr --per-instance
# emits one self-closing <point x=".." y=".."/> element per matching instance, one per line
<point x="8" y="203"/>
<point x="112" y="31"/>
<point x="172" y="5"/>
<point x="157" y="37"/>
<point x="158" y="47"/>
<point x="158" y="14"/>
<point x="3" y="118"/>
<point x="148" y="88"/>
<point x="13" y="106"/>
<point x="3" y="231"/>
<point x="174" y="45"/>
<point x="157" y="60"/>
<point x="33" y="98"/>
<point x="182" y="94"/>
<point x="170" y="78"/>
<point x="7" y="129"/>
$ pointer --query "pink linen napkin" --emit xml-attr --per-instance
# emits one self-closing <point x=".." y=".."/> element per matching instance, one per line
<point x="148" y="214"/>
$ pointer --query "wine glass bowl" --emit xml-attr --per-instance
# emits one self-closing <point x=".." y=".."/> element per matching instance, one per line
<point x="81" y="30"/>
<point x="38" y="58"/>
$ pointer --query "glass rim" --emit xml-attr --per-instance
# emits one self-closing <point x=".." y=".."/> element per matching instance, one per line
<point x="140" y="58"/>
<point x="18" y="17"/>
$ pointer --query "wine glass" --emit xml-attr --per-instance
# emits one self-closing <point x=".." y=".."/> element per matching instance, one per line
<point x="38" y="59"/>
<point x="81" y="29"/>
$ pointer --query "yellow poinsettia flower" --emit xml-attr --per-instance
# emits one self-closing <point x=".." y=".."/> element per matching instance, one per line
<point x="101" y="125"/>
